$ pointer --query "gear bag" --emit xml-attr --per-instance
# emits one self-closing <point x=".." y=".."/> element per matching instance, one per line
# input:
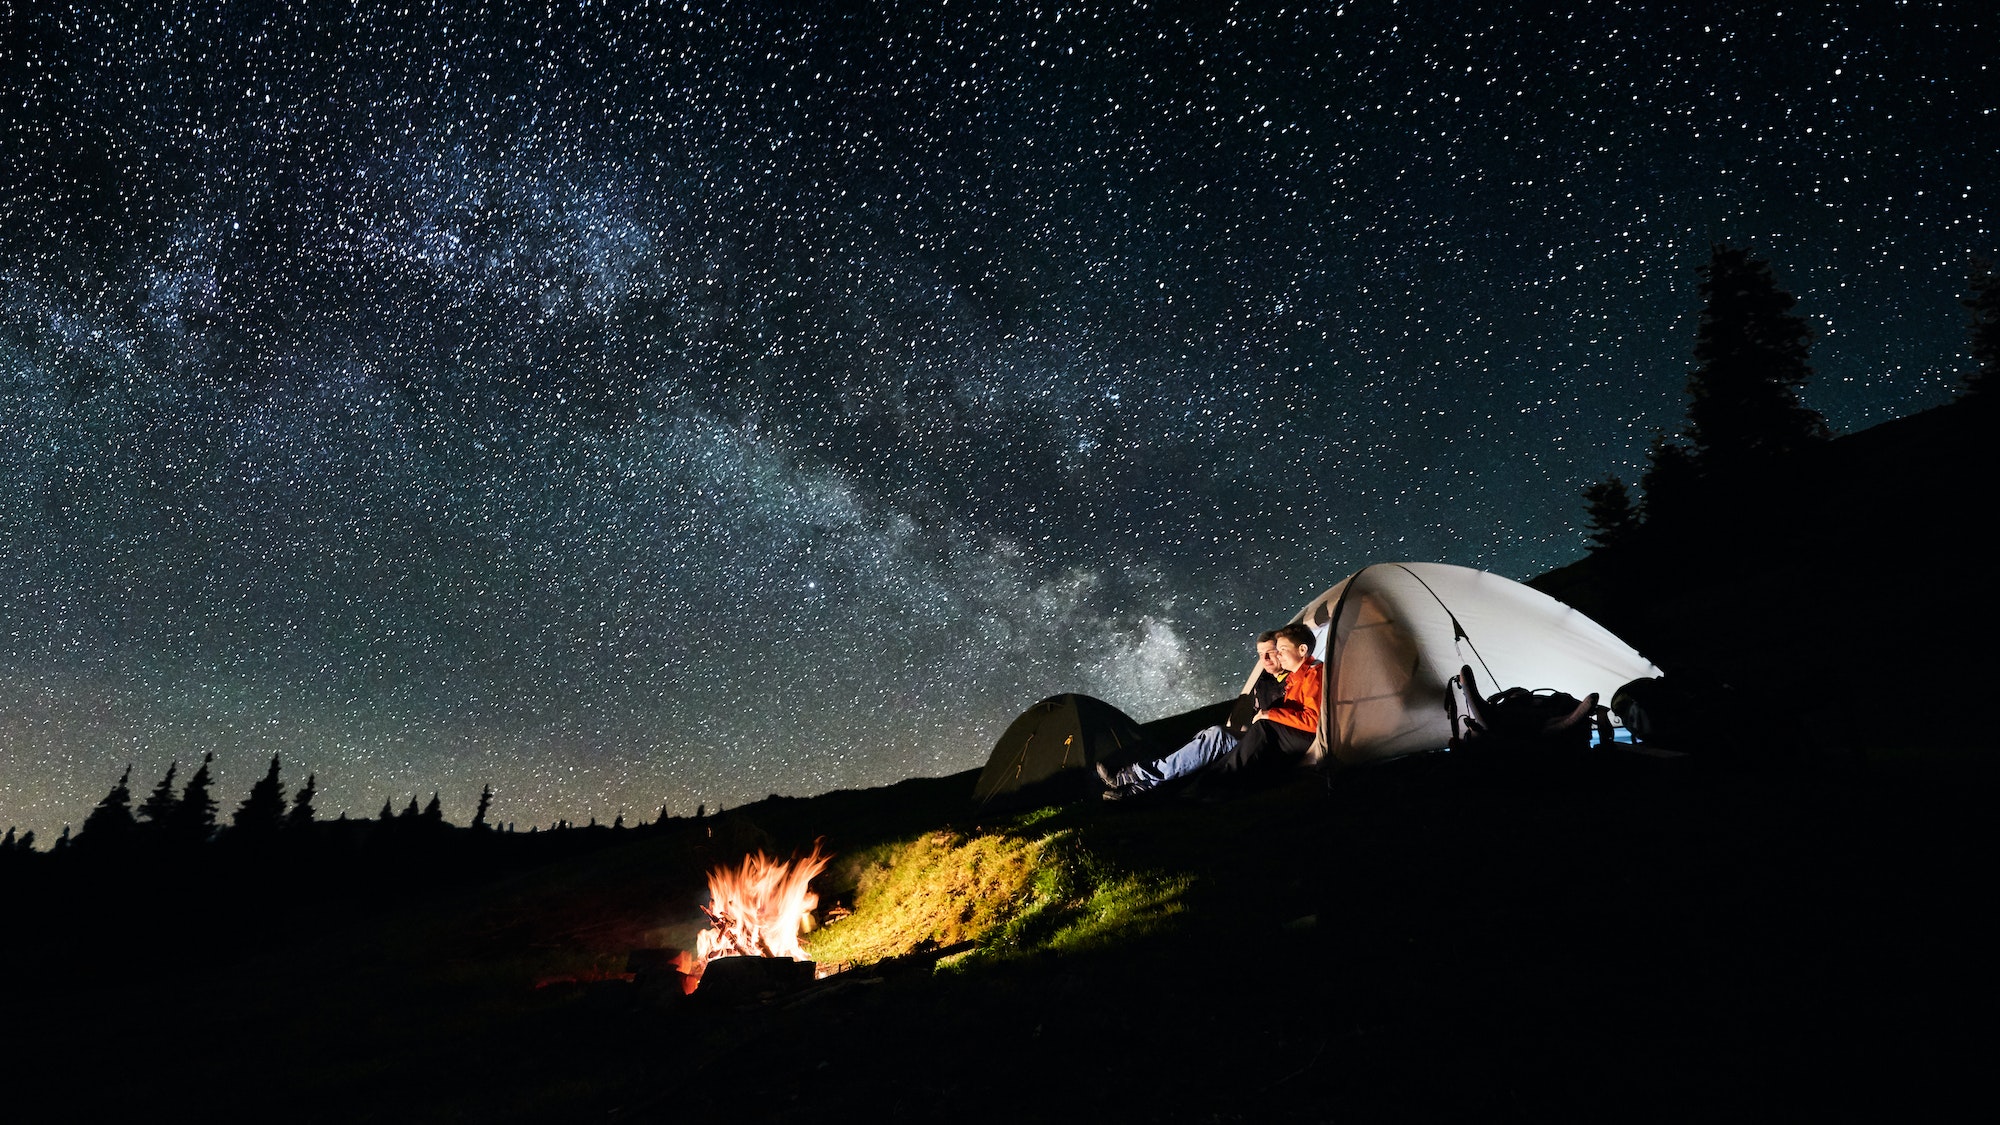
<point x="1519" y="718"/>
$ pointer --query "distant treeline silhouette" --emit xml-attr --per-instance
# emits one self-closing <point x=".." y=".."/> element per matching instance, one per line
<point x="173" y="821"/>
<point x="168" y="875"/>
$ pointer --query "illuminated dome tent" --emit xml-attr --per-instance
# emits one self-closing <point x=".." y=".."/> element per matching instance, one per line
<point x="1393" y="634"/>
<point x="1061" y="733"/>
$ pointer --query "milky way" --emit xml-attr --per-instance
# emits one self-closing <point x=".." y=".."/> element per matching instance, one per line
<point x="631" y="405"/>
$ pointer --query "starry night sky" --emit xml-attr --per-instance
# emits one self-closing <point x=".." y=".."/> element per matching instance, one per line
<point x="642" y="404"/>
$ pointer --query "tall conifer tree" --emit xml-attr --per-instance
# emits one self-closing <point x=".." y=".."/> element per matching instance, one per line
<point x="263" y="811"/>
<point x="194" y="818"/>
<point x="302" y="804"/>
<point x="160" y="805"/>
<point x="1750" y="352"/>
<point x="111" y="822"/>
<point x="1613" y="520"/>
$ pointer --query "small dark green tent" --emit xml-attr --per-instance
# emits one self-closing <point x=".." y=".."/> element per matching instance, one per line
<point x="1063" y="733"/>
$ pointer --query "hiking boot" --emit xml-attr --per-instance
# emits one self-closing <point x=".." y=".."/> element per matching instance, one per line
<point x="1105" y="775"/>
<point x="1122" y="792"/>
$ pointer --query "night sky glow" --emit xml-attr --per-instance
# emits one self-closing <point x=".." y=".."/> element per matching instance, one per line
<point x="632" y="404"/>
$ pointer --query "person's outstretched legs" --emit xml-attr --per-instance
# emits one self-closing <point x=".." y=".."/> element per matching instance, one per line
<point x="1265" y="746"/>
<point x="1209" y="746"/>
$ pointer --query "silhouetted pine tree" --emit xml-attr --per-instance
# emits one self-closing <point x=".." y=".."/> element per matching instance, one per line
<point x="194" y="817"/>
<point x="411" y="812"/>
<point x="1613" y="519"/>
<point x="619" y="823"/>
<point x="110" y="824"/>
<point x="63" y="841"/>
<point x="1984" y="304"/>
<point x="159" y="807"/>
<point x="433" y="813"/>
<point x="27" y="841"/>
<point x="262" y="813"/>
<point x="7" y="841"/>
<point x="485" y="802"/>
<point x="1750" y="352"/>
<point x="301" y="815"/>
<point x="388" y="812"/>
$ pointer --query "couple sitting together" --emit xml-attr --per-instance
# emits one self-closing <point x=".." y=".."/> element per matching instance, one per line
<point x="1282" y="727"/>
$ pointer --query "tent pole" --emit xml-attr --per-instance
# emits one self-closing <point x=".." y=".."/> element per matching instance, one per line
<point x="1458" y="632"/>
<point x="1328" y="675"/>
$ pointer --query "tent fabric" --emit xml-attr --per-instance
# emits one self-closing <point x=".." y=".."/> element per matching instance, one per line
<point x="1062" y="732"/>
<point x="1393" y="635"/>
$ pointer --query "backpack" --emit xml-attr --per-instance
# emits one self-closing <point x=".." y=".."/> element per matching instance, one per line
<point x="1693" y="711"/>
<point x="1520" y="718"/>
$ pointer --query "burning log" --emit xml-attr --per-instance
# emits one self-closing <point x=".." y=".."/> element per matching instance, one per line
<point x="756" y="912"/>
<point x="737" y="980"/>
<point x="760" y="908"/>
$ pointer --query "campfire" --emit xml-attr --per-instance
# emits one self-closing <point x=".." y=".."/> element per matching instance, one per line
<point x="757" y="909"/>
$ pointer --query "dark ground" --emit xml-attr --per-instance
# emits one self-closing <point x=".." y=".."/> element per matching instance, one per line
<point x="1636" y="942"/>
<point x="1620" y="937"/>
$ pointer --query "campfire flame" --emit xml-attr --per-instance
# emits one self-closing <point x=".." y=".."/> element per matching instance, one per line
<point x="758" y="909"/>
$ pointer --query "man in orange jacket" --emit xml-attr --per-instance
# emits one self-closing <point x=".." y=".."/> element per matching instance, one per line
<point x="1283" y="730"/>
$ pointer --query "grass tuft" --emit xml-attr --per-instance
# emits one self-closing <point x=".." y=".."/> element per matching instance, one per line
<point x="1026" y="886"/>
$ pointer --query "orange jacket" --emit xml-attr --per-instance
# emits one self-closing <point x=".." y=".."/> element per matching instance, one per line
<point x="1300" y="707"/>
